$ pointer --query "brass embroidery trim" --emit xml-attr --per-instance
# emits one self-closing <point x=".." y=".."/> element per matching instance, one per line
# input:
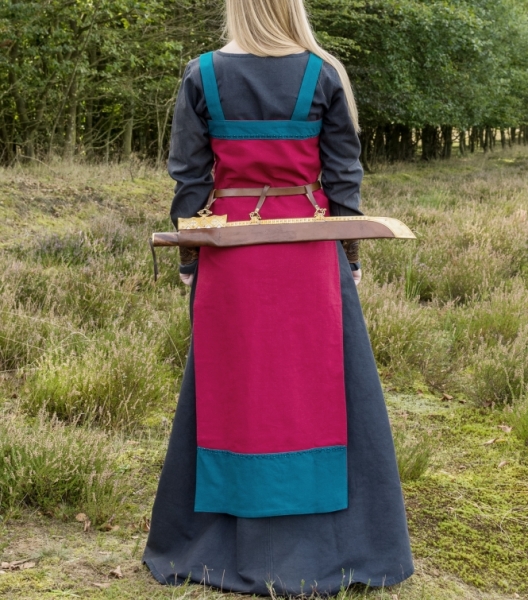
<point x="399" y="229"/>
<point x="203" y="222"/>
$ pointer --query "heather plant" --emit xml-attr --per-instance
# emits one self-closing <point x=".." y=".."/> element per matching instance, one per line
<point x="498" y="373"/>
<point x="167" y="322"/>
<point x="413" y="453"/>
<point x="519" y="420"/>
<point x="114" y="380"/>
<point x="497" y="315"/>
<point x="19" y="349"/>
<point x="408" y="340"/>
<point x="46" y="464"/>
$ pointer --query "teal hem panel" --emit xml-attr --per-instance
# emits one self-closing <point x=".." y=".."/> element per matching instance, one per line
<point x="264" y="130"/>
<point x="307" y="91"/>
<point x="210" y="87"/>
<point x="270" y="485"/>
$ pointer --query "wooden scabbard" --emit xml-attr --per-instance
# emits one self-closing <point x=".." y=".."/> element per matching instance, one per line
<point x="285" y="231"/>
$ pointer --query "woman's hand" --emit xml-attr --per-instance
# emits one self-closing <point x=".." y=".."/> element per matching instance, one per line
<point x="357" y="276"/>
<point x="188" y="279"/>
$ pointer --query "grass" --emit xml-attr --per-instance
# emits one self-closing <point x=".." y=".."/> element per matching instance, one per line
<point x="48" y="465"/>
<point x="92" y="352"/>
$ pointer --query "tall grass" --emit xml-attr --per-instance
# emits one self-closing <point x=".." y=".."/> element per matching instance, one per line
<point x="114" y="381"/>
<point x="45" y="464"/>
<point x="449" y="310"/>
<point x="87" y="338"/>
<point x="413" y="454"/>
<point x="519" y="420"/>
<point x="82" y="324"/>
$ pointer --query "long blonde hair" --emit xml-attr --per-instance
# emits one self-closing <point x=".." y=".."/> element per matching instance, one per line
<point x="277" y="28"/>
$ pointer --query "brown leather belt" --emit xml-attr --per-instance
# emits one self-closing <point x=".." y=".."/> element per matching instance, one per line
<point x="272" y="191"/>
<point x="263" y="193"/>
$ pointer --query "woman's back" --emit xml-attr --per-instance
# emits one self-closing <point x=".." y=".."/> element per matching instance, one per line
<point x="280" y="470"/>
<point x="262" y="88"/>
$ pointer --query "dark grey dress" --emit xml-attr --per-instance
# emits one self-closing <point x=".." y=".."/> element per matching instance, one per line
<point x="368" y="542"/>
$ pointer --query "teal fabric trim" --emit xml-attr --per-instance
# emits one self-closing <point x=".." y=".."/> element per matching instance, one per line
<point x="307" y="91"/>
<point x="271" y="485"/>
<point x="264" y="130"/>
<point x="210" y="86"/>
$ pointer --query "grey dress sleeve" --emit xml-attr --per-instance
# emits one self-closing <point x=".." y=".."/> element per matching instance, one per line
<point x="190" y="157"/>
<point x="342" y="172"/>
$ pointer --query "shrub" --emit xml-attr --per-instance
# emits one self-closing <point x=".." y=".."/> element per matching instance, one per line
<point x="408" y="339"/>
<point x="169" y="325"/>
<point x="497" y="315"/>
<point x="412" y="453"/>
<point x="46" y="464"/>
<point x="114" y="381"/>
<point x="519" y="420"/>
<point x="23" y="335"/>
<point x="107" y="235"/>
<point x="498" y="373"/>
<point x="469" y="249"/>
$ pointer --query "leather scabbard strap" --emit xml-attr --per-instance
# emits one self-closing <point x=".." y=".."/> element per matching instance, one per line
<point x="263" y="193"/>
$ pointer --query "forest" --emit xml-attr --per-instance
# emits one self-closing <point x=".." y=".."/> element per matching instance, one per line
<point x="96" y="80"/>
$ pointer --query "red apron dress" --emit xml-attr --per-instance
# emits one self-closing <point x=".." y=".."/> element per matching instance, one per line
<point x="268" y="333"/>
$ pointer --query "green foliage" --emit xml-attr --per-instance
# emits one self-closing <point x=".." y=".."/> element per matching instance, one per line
<point x="45" y="464"/>
<point x="413" y="455"/>
<point x="519" y="420"/>
<point x="76" y="75"/>
<point x="432" y="62"/>
<point x="99" y="79"/>
<point x="114" y="381"/>
<point x="498" y="373"/>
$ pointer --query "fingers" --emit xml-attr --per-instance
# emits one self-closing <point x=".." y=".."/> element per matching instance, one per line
<point x="187" y="279"/>
<point x="357" y="276"/>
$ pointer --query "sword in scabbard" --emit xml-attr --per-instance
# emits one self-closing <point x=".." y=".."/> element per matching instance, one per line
<point x="215" y="231"/>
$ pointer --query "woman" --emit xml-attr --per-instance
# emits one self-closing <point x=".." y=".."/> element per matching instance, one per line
<point x="280" y="471"/>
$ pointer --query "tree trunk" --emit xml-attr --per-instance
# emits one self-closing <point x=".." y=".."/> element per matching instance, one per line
<point x="487" y="140"/>
<point x="107" y="144"/>
<point x="403" y="148"/>
<point x="379" y="144"/>
<point x="472" y="139"/>
<point x="503" y="138"/>
<point x="365" y="139"/>
<point x="7" y="148"/>
<point x="447" y="141"/>
<point x="391" y="142"/>
<point x="127" y="138"/>
<point x="429" y="142"/>
<point x="71" y="123"/>
<point x="462" y="142"/>
<point x="482" y="141"/>
<point x="20" y="103"/>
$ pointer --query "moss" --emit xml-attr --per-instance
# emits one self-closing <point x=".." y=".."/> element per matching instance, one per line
<point x="470" y="516"/>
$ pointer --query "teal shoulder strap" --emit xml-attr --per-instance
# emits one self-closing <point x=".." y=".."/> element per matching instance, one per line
<point x="307" y="91"/>
<point x="212" y="97"/>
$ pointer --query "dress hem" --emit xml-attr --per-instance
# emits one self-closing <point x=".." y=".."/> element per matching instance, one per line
<point x="178" y="581"/>
<point x="273" y="513"/>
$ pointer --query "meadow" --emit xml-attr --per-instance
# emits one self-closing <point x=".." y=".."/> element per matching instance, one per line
<point x="92" y="353"/>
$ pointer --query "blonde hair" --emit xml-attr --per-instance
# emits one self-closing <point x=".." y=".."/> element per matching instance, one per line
<point x="277" y="28"/>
